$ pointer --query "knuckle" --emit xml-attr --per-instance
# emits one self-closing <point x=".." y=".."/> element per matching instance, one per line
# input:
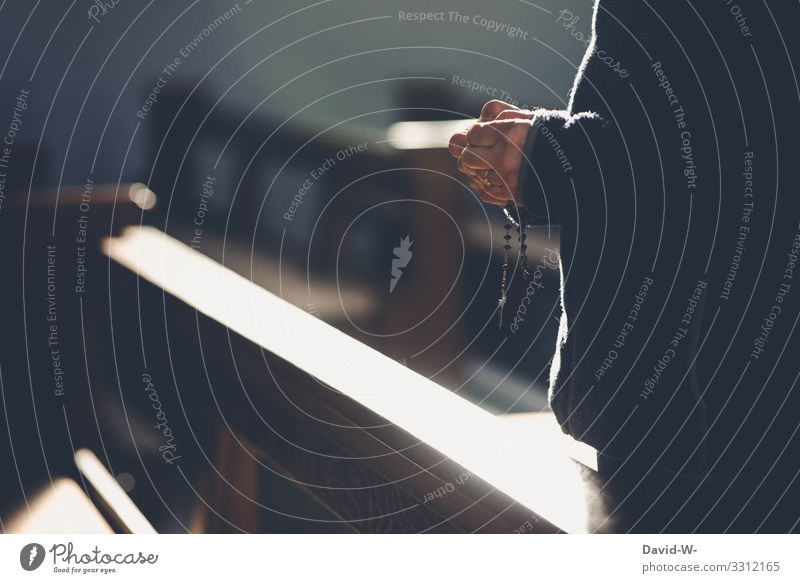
<point x="457" y="141"/>
<point x="476" y="133"/>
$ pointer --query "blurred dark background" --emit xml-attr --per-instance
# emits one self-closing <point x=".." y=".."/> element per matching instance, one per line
<point x="266" y="131"/>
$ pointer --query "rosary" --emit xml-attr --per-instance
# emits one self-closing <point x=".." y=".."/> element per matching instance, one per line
<point x="519" y="218"/>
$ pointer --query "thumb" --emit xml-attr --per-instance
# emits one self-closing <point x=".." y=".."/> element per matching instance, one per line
<point x="515" y="114"/>
<point x="493" y="108"/>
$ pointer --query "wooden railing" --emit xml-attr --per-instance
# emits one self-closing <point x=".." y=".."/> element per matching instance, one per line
<point x="379" y="446"/>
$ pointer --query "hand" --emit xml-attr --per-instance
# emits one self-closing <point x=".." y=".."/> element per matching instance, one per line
<point x="490" y="151"/>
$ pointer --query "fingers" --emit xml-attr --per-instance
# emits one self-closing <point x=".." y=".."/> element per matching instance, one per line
<point x="493" y="172"/>
<point x="484" y="185"/>
<point x="489" y="187"/>
<point x="491" y="133"/>
<point x="493" y="108"/>
<point x="462" y="168"/>
<point x="493" y="179"/>
<point x="478" y="134"/>
<point x="479" y="158"/>
<point x="500" y="193"/>
<point x="504" y="159"/>
<point x="475" y="184"/>
<point x="489" y="152"/>
<point x="514" y="114"/>
<point x="457" y="144"/>
<point x="483" y="135"/>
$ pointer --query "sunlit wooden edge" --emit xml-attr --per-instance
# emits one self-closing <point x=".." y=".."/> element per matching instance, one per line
<point x="60" y="508"/>
<point x="111" y="493"/>
<point x="539" y="475"/>
<point x="423" y="135"/>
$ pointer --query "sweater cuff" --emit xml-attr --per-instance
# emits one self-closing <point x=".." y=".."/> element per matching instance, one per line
<point x="534" y="172"/>
<point x="551" y="149"/>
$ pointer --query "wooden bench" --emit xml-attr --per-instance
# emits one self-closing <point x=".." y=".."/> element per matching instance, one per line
<point x="381" y="447"/>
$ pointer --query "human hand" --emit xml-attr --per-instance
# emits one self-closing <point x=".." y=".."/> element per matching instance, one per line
<point x="490" y="151"/>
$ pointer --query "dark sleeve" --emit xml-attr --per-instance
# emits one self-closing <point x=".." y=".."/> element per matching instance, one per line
<point x="575" y="159"/>
<point x="608" y="170"/>
<point x="558" y="143"/>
